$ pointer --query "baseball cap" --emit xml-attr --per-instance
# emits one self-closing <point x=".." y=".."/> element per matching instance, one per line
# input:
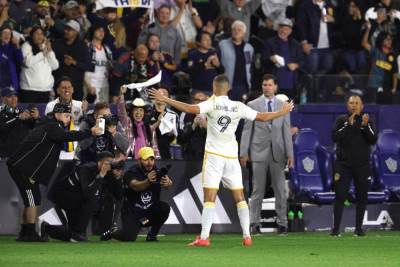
<point x="138" y="103"/>
<point x="43" y="3"/>
<point x="61" y="108"/>
<point x="70" y="4"/>
<point x="146" y="152"/>
<point x="73" y="24"/>
<point x="286" y="22"/>
<point x="8" y="91"/>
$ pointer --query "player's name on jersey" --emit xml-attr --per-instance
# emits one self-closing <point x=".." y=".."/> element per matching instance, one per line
<point x="226" y="108"/>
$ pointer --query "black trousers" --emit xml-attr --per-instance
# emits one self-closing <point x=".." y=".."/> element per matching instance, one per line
<point x="78" y="212"/>
<point x="342" y="180"/>
<point x="133" y="219"/>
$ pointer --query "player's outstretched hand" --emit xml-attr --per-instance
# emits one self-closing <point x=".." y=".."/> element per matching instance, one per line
<point x="287" y="107"/>
<point x="156" y="95"/>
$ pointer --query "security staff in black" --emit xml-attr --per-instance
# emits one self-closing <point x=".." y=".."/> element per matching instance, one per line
<point x="15" y="124"/>
<point x="142" y="206"/>
<point x="35" y="160"/>
<point x="353" y="135"/>
<point x="77" y="194"/>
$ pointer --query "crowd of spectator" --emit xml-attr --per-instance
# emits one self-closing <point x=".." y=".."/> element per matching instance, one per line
<point x="77" y="53"/>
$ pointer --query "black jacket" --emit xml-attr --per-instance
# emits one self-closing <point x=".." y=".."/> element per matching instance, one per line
<point x="37" y="156"/>
<point x="192" y="140"/>
<point x="353" y="142"/>
<point x="12" y="131"/>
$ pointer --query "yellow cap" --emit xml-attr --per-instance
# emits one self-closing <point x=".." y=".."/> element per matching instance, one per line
<point x="43" y="3"/>
<point x="146" y="152"/>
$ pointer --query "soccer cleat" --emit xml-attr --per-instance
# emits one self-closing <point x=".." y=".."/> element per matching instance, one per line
<point x="151" y="238"/>
<point x="247" y="241"/>
<point x="282" y="231"/>
<point x="255" y="229"/>
<point x="78" y="237"/>
<point x="198" y="242"/>
<point x="335" y="233"/>
<point x="359" y="232"/>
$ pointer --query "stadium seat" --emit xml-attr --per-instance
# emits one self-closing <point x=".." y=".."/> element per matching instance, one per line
<point x="311" y="177"/>
<point x="386" y="162"/>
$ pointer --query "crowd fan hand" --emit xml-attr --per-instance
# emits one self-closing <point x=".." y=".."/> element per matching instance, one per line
<point x="368" y="25"/>
<point x="122" y="90"/>
<point x="34" y="112"/>
<point x="91" y="89"/>
<point x="209" y="27"/>
<point x="180" y="3"/>
<point x="25" y="115"/>
<point x="215" y="61"/>
<point x="152" y="177"/>
<point x="200" y="121"/>
<point x="96" y="130"/>
<point x="365" y="119"/>
<point x="84" y="106"/>
<point x="105" y="168"/>
<point x="49" y="21"/>
<point x="292" y="66"/>
<point x="112" y="129"/>
<point x="307" y="48"/>
<point x="4" y="13"/>
<point x="165" y="181"/>
<point x="68" y="60"/>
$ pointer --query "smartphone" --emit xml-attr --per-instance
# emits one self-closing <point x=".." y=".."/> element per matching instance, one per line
<point x="102" y="124"/>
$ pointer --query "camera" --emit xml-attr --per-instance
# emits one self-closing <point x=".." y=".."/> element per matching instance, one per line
<point x="162" y="172"/>
<point x="111" y="120"/>
<point x="117" y="165"/>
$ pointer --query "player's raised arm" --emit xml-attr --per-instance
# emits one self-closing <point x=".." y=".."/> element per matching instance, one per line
<point x="157" y="95"/>
<point x="267" y="116"/>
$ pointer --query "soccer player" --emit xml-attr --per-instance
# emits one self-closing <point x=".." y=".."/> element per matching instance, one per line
<point x="221" y="151"/>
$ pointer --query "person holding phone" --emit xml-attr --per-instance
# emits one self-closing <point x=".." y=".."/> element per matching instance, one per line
<point x="36" y="79"/>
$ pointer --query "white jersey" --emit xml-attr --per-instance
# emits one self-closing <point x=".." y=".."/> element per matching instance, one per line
<point x="223" y="116"/>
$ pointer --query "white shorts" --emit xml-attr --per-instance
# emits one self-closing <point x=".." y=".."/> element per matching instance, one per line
<point x="217" y="168"/>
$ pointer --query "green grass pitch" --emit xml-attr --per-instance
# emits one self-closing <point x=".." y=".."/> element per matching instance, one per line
<point x="297" y="249"/>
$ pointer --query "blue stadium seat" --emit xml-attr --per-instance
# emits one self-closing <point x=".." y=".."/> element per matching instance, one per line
<point x="311" y="177"/>
<point x="386" y="162"/>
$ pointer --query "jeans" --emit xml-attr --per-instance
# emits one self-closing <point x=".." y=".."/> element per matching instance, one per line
<point x="319" y="60"/>
<point x="354" y="59"/>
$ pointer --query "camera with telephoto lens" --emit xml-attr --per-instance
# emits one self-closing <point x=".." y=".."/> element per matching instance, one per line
<point x="118" y="165"/>
<point x="160" y="173"/>
<point x="111" y="120"/>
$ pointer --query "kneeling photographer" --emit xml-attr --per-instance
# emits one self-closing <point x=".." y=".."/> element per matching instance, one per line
<point x="142" y="206"/>
<point x="76" y="196"/>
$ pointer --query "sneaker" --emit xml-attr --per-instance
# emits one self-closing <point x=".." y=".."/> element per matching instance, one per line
<point x="151" y="238"/>
<point x="335" y="233"/>
<point x="43" y="231"/>
<point x="198" y="242"/>
<point x="247" y="241"/>
<point x="78" y="237"/>
<point x="107" y="235"/>
<point x="282" y="230"/>
<point x="359" y="232"/>
<point x="255" y="229"/>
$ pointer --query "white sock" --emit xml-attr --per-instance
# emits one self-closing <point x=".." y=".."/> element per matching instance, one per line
<point x="207" y="218"/>
<point x="244" y="217"/>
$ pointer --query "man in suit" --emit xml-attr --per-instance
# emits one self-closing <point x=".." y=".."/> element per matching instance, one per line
<point x="268" y="145"/>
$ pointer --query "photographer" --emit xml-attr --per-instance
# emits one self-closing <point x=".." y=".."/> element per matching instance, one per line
<point x="35" y="161"/>
<point x="142" y="206"/>
<point x="111" y="139"/>
<point x="78" y="194"/>
<point x="15" y="124"/>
